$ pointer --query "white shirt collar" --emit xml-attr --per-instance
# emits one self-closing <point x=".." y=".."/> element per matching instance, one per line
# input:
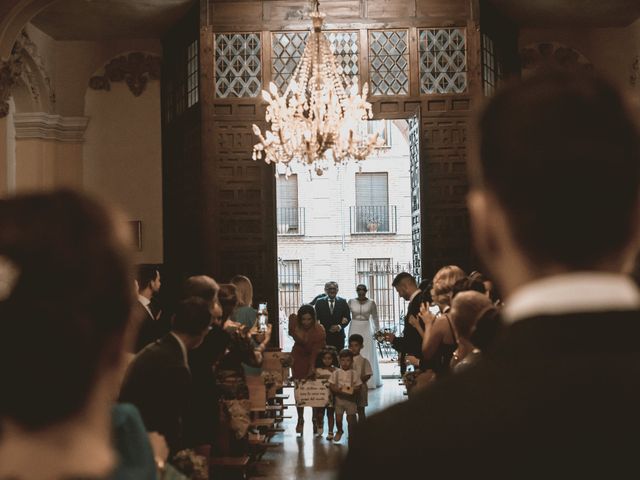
<point x="144" y="300"/>
<point x="414" y="294"/>
<point x="183" y="348"/>
<point x="572" y="293"/>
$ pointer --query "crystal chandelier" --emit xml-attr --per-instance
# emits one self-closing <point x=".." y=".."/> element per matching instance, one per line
<point x="315" y="121"/>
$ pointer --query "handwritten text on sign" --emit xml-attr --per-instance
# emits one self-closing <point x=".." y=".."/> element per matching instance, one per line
<point x="312" y="393"/>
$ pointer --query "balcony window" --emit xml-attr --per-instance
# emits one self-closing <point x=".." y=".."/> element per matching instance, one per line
<point x="290" y="218"/>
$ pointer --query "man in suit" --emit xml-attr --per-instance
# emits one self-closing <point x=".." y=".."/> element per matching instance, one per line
<point x="410" y="343"/>
<point x="555" y="217"/>
<point x="145" y="313"/>
<point x="158" y="379"/>
<point x="334" y="314"/>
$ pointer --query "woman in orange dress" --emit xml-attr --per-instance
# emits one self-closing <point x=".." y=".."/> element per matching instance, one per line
<point x="310" y="338"/>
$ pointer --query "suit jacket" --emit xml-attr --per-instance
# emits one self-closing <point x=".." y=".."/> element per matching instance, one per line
<point x="327" y="319"/>
<point x="150" y="329"/>
<point x="558" y="396"/>
<point x="410" y="342"/>
<point x="158" y="382"/>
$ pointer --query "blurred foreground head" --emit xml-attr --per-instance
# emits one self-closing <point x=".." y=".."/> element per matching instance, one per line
<point x="65" y="298"/>
<point x="555" y="187"/>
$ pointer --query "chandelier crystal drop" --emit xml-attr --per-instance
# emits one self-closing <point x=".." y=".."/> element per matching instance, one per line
<point x="315" y="121"/>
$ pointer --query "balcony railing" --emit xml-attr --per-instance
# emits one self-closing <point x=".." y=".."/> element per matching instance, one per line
<point x="290" y="221"/>
<point x="374" y="219"/>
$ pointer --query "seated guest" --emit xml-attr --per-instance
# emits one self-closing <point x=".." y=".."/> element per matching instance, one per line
<point x="466" y="308"/>
<point x="148" y="316"/>
<point x="65" y="298"/>
<point x="201" y="421"/>
<point x="555" y="217"/>
<point x="158" y="380"/>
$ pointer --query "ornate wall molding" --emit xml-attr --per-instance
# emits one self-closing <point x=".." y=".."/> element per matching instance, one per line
<point x="28" y="49"/>
<point x="10" y="73"/>
<point x="136" y="69"/>
<point x="556" y="54"/>
<point x="50" y="127"/>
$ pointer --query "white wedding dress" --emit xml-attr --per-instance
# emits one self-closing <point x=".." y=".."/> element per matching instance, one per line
<point x="364" y="320"/>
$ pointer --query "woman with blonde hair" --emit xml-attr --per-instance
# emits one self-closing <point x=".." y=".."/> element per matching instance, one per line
<point x="244" y="312"/>
<point x="439" y="340"/>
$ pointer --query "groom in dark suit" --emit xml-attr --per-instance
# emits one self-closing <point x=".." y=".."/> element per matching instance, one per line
<point x="556" y="218"/>
<point x="334" y="314"/>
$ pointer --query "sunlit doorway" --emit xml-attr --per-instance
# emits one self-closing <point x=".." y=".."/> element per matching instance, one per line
<point x="351" y="225"/>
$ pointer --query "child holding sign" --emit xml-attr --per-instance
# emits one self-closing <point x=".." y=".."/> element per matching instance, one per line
<point x="345" y="384"/>
<point x="325" y="365"/>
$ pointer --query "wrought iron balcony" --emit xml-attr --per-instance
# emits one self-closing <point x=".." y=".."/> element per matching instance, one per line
<point x="374" y="219"/>
<point x="290" y="221"/>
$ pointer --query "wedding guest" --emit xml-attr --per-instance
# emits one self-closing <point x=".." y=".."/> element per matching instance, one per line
<point x="334" y="315"/>
<point x="202" y="421"/>
<point x="244" y="312"/>
<point x="151" y="327"/>
<point x="362" y="366"/>
<point x="555" y="216"/>
<point x="466" y="308"/>
<point x="439" y="341"/>
<point x="364" y="322"/>
<point x="231" y="380"/>
<point x="158" y="380"/>
<point x="65" y="299"/>
<point x="309" y="339"/>
<point x="345" y="384"/>
<point x="326" y="364"/>
<point x="410" y="343"/>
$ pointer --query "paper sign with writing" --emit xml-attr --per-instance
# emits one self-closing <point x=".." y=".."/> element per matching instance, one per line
<point x="312" y="393"/>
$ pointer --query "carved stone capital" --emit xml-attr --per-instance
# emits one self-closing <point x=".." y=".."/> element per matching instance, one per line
<point x="10" y="72"/>
<point x="136" y="69"/>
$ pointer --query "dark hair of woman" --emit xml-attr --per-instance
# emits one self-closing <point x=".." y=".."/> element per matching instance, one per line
<point x="306" y="309"/>
<point x="67" y="290"/>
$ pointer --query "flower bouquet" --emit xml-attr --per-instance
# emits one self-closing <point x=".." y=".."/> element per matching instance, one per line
<point x="271" y="378"/>
<point x="380" y="335"/>
<point x="191" y="464"/>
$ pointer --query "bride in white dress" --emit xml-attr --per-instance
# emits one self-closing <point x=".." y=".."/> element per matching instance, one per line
<point x="364" y="320"/>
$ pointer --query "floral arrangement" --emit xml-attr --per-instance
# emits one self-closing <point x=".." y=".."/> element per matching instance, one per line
<point x="380" y="335"/>
<point x="191" y="464"/>
<point x="410" y="379"/>
<point x="271" y="378"/>
<point x="286" y="361"/>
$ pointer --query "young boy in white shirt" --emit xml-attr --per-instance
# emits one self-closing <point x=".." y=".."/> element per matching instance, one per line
<point x="345" y="384"/>
<point x="363" y="367"/>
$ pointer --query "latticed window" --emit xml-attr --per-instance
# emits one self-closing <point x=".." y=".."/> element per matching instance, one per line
<point x="491" y="66"/>
<point x="389" y="62"/>
<point x="443" y="60"/>
<point x="344" y="46"/>
<point x="238" y="68"/>
<point x="287" y="49"/>
<point x="289" y="279"/>
<point x="192" y="74"/>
